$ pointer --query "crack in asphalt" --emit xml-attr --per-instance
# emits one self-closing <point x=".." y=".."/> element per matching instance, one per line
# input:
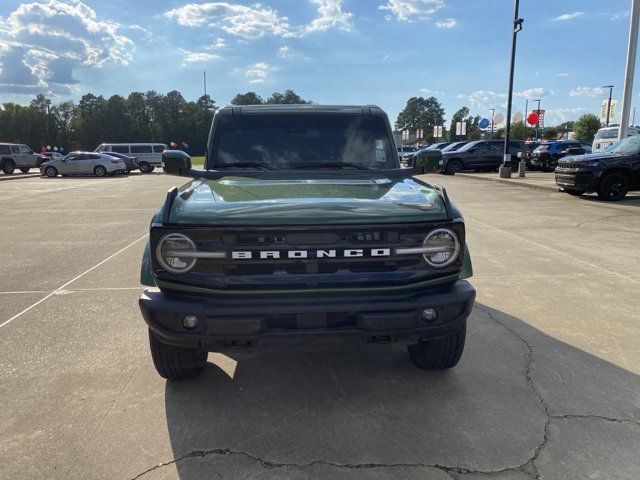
<point x="529" y="467"/>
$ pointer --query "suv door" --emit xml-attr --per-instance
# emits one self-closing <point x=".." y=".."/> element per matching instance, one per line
<point x="26" y="157"/>
<point x="475" y="156"/>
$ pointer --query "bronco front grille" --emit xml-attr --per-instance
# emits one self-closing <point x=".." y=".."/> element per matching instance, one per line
<point x="333" y="256"/>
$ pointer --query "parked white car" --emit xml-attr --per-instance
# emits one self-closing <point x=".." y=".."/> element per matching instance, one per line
<point x="149" y="155"/>
<point x="83" y="163"/>
<point x="607" y="136"/>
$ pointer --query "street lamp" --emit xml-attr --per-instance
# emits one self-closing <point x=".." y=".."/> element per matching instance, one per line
<point x="505" y="169"/>
<point x="610" y="87"/>
<point x="493" y="114"/>
<point x="48" y="104"/>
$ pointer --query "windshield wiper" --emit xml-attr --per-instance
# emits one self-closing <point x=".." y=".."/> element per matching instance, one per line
<point x="331" y="165"/>
<point x="259" y="166"/>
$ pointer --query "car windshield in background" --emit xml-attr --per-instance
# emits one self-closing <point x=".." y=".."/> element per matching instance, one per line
<point x="467" y="146"/>
<point x="628" y="146"/>
<point x="453" y="147"/>
<point x="611" y="133"/>
<point x="301" y="141"/>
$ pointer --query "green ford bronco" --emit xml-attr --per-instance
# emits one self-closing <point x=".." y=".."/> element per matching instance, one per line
<point x="302" y="223"/>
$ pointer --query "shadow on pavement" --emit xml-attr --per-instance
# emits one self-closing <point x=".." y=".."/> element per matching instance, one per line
<point x="330" y="410"/>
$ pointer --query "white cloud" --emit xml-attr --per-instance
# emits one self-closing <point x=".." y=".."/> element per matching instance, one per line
<point x="258" y="72"/>
<point x="43" y="43"/>
<point x="247" y="22"/>
<point x="198" y="57"/>
<point x="428" y="91"/>
<point x="485" y="98"/>
<point x="617" y="15"/>
<point x="285" y="52"/>
<point x="220" y="43"/>
<point x="405" y="10"/>
<point x="587" y="92"/>
<point x="563" y="74"/>
<point x="533" y="92"/>
<point x="569" y="16"/>
<point x="330" y="15"/>
<point x="448" y="23"/>
<point x="556" y="116"/>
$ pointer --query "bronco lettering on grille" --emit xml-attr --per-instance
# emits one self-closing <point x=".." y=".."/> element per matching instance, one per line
<point x="301" y="254"/>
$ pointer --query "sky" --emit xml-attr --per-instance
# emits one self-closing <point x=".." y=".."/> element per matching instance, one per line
<point x="330" y="51"/>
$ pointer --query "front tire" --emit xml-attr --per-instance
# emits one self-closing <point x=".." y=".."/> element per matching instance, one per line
<point x="439" y="353"/>
<point x="51" y="172"/>
<point x="100" y="171"/>
<point x="8" y="167"/>
<point x="613" y="187"/>
<point x="146" y="168"/>
<point x="453" y="167"/>
<point x="176" y="363"/>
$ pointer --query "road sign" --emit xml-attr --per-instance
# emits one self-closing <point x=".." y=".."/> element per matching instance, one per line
<point x="532" y="119"/>
<point x="612" y="111"/>
<point x="484" y="123"/>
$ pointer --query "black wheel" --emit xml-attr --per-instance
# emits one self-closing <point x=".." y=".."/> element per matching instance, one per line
<point x="439" y="353"/>
<point x="575" y="193"/>
<point x="51" y="172"/>
<point x="453" y="167"/>
<point x="8" y="167"/>
<point x="176" y="363"/>
<point x="25" y="170"/>
<point x="100" y="171"/>
<point x="146" y="168"/>
<point x="613" y="187"/>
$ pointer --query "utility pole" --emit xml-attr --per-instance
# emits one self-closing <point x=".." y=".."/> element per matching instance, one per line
<point x="48" y="104"/>
<point x="610" y="87"/>
<point x="206" y="106"/>
<point x="628" y="78"/>
<point x="493" y="114"/>
<point x="505" y="168"/>
<point x="633" y="122"/>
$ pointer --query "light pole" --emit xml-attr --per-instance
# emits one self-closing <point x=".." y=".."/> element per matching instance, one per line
<point x="505" y="168"/>
<point x="48" y="104"/>
<point x="493" y="114"/>
<point x="610" y="87"/>
<point x="632" y="48"/>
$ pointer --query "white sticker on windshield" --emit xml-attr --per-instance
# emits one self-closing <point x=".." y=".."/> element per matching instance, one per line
<point x="381" y="155"/>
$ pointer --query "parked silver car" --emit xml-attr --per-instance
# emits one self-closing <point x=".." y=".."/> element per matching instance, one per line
<point x="83" y="163"/>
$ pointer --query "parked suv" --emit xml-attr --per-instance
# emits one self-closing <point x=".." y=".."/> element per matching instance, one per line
<point x="18" y="155"/>
<point x="303" y="224"/>
<point x="611" y="173"/>
<point x="482" y="155"/>
<point x="546" y="155"/>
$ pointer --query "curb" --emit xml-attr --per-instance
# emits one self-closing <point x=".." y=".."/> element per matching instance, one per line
<point x="18" y="177"/>
<point x="519" y="183"/>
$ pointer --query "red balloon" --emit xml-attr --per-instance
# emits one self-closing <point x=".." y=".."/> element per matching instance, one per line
<point x="532" y="119"/>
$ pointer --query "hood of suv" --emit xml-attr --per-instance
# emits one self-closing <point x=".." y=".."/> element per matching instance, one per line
<point x="590" y="157"/>
<point x="317" y="198"/>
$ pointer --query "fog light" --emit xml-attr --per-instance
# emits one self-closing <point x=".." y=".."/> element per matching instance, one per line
<point x="429" y="314"/>
<point x="190" y="322"/>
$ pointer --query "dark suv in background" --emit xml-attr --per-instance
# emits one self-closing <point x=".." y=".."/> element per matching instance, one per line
<point x="610" y="173"/>
<point x="480" y="155"/>
<point x="546" y="155"/>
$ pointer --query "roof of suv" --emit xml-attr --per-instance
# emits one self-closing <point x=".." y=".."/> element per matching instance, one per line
<point x="300" y="109"/>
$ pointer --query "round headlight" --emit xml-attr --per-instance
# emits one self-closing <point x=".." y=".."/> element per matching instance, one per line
<point x="175" y="252"/>
<point x="441" y="247"/>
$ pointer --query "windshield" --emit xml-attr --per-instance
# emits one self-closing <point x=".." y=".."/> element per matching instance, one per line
<point x="628" y="146"/>
<point x="543" y="147"/>
<point x="467" y="146"/>
<point x="298" y="141"/>
<point x="608" y="133"/>
<point x="453" y="147"/>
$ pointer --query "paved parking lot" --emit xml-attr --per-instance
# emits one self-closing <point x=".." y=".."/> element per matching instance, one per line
<point x="548" y="385"/>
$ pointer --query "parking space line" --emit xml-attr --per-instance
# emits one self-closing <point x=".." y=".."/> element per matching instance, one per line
<point x="546" y="247"/>
<point x="61" y="287"/>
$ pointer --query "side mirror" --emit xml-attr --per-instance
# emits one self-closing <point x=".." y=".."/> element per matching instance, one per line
<point x="176" y="162"/>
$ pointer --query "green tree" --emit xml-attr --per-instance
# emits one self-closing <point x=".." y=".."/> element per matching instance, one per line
<point x="422" y="113"/>
<point x="249" y="98"/>
<point x="519" y="131"/>
<point x="550" y="134"/>
<point x="473" y="125"/>
<point x="288" y="97"/>
<point x="586" y="127"/>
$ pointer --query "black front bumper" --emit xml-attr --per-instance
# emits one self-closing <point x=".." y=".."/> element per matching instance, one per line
<point x="577" y="179"/>
<point x="224" y="323"/>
